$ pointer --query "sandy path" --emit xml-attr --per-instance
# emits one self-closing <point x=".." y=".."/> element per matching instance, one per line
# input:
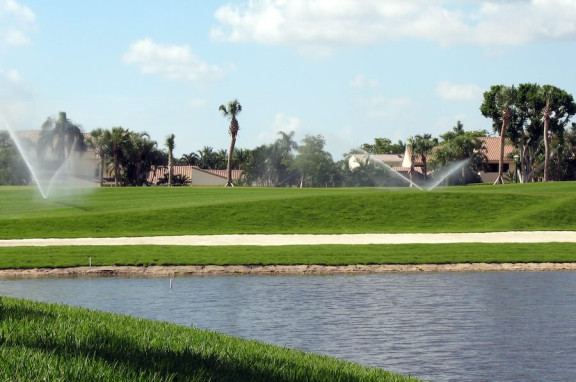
<point x="274" y="240"/>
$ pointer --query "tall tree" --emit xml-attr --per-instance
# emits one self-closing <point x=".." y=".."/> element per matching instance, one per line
<point x="457" y="145"/>
<point x="315" y="164"/>
<point x="231" y="111"/>
<point x="422" y="145"/>
<point x="411" y="144"/>
<point x="117" y="138"/>
<point x="13" y="169"/>
<point x="384" y="146"/>
<point x="170" y="144"/>
<point x="136" y="157"/>
<point x="499" y="104"/>
<point x="60" y="136"/>
<point x="97" y="141"/>
<point x="558" y="108"/>
<point x="190" y="159"/>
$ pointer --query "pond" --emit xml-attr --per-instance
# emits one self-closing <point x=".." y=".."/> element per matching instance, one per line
<point x="437" y="326"/>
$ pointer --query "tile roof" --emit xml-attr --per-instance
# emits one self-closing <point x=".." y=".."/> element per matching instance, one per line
<point x="155" y="175"/>
<point x="492" y="145"/>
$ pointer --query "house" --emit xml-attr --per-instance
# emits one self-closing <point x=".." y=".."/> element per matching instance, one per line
<point x="492" y="159"/>
<point x="392" y="161"/>
<point x="196" y="175"/>
<point x="492" y="145"/>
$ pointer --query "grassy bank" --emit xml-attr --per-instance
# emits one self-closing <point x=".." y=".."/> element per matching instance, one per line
<point x="59" y="343"/>
<point x="58" y="257"/>
<point x="113" y="212"/>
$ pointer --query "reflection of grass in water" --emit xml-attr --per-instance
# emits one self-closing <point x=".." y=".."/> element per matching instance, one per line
<point x="58" y="257"/>
<point x="189" y="210"/>
<point x="50" y="342"/>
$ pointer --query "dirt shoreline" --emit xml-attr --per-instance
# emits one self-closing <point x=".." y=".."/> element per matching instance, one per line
<point x="229" y="270"/>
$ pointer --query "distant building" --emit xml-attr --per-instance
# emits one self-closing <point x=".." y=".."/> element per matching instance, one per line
<point x="488" y="175"/>
<point x="197" y="175"/>
<point x="492" y="153"/>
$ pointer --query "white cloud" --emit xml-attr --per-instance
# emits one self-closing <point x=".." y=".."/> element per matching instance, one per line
<point x="446" y="22"/>
<point x="384" y="107"/>
<point x="12" y="75"/>
<point x="286" y="123"/>
<point x="360" y="82"/>
<point x="197" y="103"/>
<point x="282" y="122"/>
<point x="16" y="38"/>
<point x="12" y="7"/>
<point x="458" y="92"/>
<point x="172" y="61"/>
<point x="16" y="20"/>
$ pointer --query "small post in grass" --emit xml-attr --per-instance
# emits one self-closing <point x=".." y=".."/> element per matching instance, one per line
<point x="90" y="262"/>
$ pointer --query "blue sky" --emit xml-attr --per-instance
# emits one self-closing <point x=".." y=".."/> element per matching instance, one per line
<point x="350" y="70"/>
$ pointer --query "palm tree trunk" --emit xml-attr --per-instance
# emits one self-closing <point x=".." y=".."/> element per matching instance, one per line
<point x="425" y="168"/>
<point x="500" y="179"/>
<point x="546" y="146"/>
<point x="115" y="168"/>
<point x="229" y="166"/>
<point x="170" y="169"/>
<point x="101" y="153"/>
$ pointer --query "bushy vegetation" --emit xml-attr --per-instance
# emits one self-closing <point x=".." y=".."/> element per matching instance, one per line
<point x="48" y="342"/>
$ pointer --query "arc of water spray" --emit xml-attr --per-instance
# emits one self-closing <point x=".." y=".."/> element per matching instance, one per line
<point x="389" y="168"/>
<point x="448" y="171"/>
<point x="31" y="167"/>
<point x="16" y="141"/>
<point x="61" y="168"/>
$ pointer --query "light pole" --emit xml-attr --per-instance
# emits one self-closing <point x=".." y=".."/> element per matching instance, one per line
<point x="516" y="157"/>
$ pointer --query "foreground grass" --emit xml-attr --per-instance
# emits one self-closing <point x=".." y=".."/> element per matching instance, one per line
<point x="157" y="211"/>
<point x="59" y="343"/>
<point x="58" y="257"/>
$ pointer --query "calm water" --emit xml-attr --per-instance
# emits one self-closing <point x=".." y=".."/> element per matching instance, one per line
<point x="466" y="326"/>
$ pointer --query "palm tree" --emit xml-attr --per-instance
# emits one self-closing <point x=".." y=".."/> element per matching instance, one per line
<point x="411" y="144"/>
<point x="421" y="145"/>
<point x="207" y="158"/>
<point x="170" y="146"/>
<point x="546" y="115"/>
<point x="231" y="111"/>
<point x="137" y="150"/>
<point x="505" y="99"/>
<point x="60" y="136"/>
<point x="190" y="159"/>
<point x="97" y="141"/>
<point x="117" y="138"/>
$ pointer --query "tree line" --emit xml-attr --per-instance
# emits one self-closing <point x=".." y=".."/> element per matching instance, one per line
<point x="534" y="119"/>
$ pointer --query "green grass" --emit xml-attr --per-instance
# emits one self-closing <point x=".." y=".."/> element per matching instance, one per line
<point x="113" y="212"/>
<point x="59" y="257"/>
<point x="48" y="342"/>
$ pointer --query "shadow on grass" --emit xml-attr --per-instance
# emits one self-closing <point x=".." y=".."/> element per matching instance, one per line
<point x="218" y="363"/>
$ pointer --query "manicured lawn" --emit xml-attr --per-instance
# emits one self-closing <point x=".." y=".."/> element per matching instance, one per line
<point x="58" y="257"/>
<point x="48" y="342"/>
<point x="118" y="212"/>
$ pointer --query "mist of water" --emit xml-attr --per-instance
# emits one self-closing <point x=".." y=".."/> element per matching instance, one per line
<point x="388" y="169"/>
<point x="439" y="176"/>
<point x="72" y="176"/>
<point x="444" y="173"/>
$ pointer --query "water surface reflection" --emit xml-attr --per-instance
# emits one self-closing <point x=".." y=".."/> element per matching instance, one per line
<point x="464" y="326"/>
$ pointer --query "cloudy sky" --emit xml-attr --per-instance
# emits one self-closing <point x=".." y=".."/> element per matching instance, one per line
<point x="350" y="70"/>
